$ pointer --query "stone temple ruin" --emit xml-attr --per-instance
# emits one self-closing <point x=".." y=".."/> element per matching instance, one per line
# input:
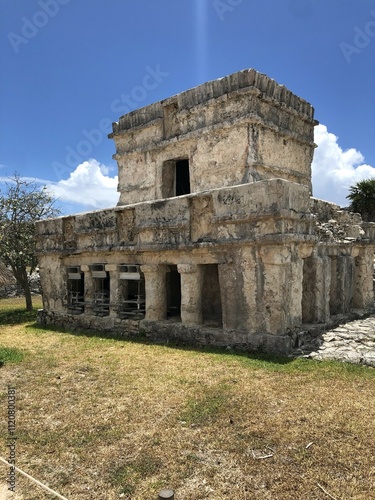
<point x="216" y="239"/>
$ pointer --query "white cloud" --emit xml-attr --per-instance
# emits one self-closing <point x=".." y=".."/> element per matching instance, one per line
<point x="335" y="170"/>
<point x="89" y="186"/>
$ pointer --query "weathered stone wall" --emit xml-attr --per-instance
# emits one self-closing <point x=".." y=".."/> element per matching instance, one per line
<point x="235" y="130"/>
<point x="247" y="259"/>
<point x="228" y="215"/>
<point x="261" y="243"/>
<point x="111" y="326"/>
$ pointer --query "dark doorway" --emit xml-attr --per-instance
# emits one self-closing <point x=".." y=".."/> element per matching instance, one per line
<point x="211" y="297"/>
<point x="75" y="291"/>
<point x="175" y="178"/>
<point x="131" y="292"/>
<point x="173" y="292"/>
<point x="334" y="302"/>
<point x="308" y="291"/>
<point x="182" y="177"/>
<point x="76" y="288"/>
<point x="101" y="296"/>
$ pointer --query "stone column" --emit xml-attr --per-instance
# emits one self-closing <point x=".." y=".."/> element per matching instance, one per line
<point x="230" y="299"/>
<point x="294" y="277"/>
<point x="334" y="305"/>
<point x="113" y="288"/>
<point x="89" y="286"/>
<point x="54" y="285"/>
<point x="249" y="275"/>
<point x="342" y="281"/>
<point x="282" y="289"/>
<point x="346" y="271"/>
<point x="316" y="289"/>
<point x="156" y="291"/>
<point x="191" y="293"/>
<point x="363" y="297"/>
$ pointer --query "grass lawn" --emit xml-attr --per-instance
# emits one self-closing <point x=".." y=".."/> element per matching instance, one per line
<point x="101" y="418"/>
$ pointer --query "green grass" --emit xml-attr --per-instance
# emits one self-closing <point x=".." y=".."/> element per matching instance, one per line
<point x="101" y="417"/>
<point x="206" y="407"/>
<point x="13" y="311"/>
<point x="126" y="476"/>
<point x="16" y="316"/>
<point x="10" y="355"/>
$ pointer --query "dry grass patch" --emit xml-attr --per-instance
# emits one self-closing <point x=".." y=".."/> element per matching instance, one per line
<point x="106" y="418"/>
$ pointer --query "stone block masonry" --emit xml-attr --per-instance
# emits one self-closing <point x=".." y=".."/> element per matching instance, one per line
<point x="216" y="239"/>
<point x="239" y="129"/>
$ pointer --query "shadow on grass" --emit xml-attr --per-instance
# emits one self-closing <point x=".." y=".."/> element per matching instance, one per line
<point x="141" y="339"/>
<point x="16" y="316"/>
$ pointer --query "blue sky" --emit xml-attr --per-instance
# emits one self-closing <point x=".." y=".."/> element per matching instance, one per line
<point x="71" y="67"/>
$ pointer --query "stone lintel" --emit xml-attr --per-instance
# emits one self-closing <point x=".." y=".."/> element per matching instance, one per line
<point x="154" y="268"/>
<point x="187" y="268"/>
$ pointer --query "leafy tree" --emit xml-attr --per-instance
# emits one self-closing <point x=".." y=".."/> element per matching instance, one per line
<point x="22" y="204"/>
<point x="362" y="197"/>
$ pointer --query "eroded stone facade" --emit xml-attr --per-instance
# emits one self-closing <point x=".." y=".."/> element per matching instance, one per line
<point x="216" y="239"/>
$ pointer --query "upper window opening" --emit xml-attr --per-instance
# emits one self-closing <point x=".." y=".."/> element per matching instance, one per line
<point x="176" y="178"/>
<point x="182" y="177"/>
